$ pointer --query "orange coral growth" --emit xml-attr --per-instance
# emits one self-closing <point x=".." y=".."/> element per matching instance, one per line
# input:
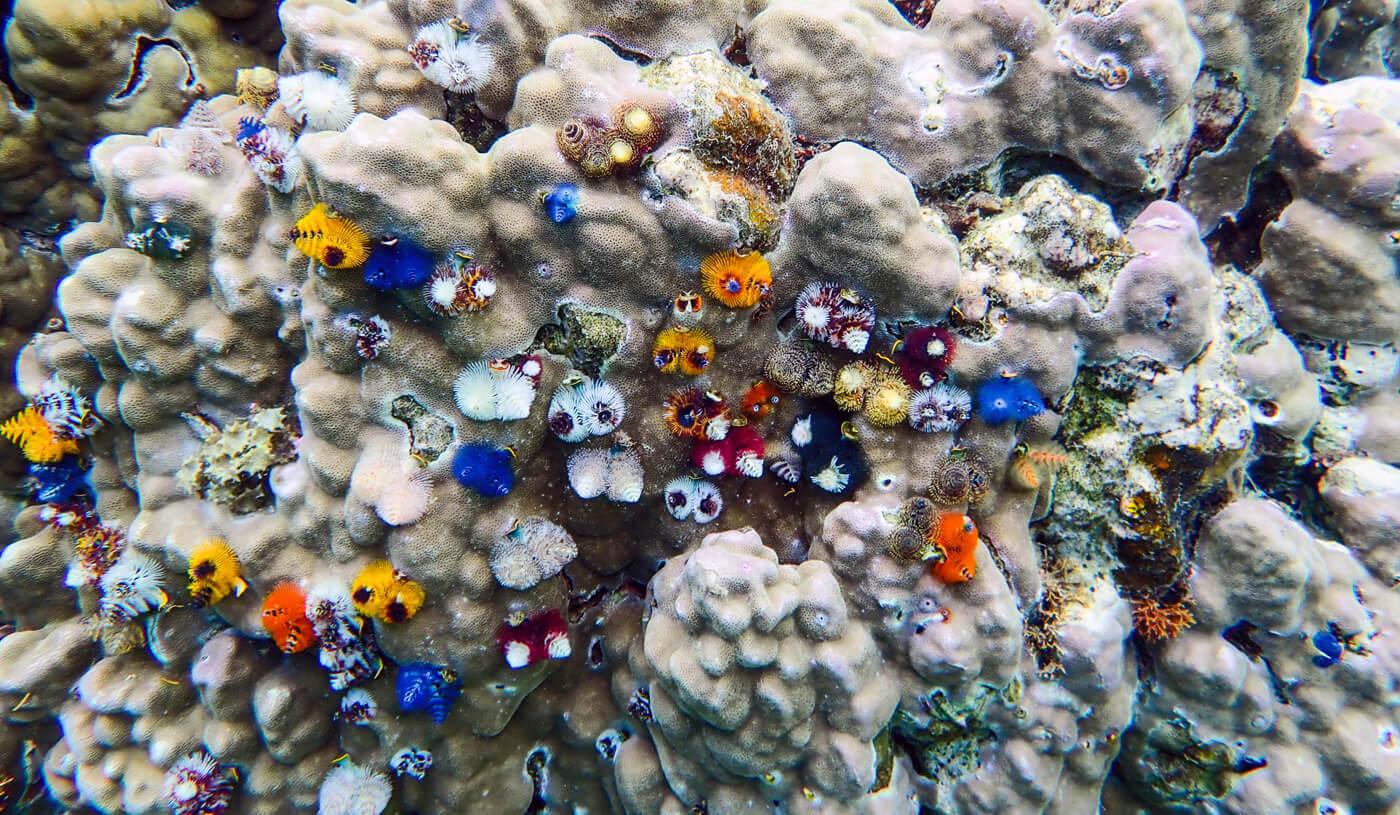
<point x="751" y="140"/>
<point x="29" y="431"/>
<point x="738" y="281"/>
<point x="689" y="412"/>
<point x="761" y="399"/>
<point x="1156" y="621"/>
<point x="330" y="240"/>
<point x="284" y="617"/>
<point x="680" y="350"/>
<point x="955" y="535"/>
<point x="1032" y="467"/>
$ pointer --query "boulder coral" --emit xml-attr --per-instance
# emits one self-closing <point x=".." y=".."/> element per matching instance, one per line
<point x="863" y="407"/>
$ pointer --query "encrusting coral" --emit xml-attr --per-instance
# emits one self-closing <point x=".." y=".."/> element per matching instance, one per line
<point x="606" y="407"/>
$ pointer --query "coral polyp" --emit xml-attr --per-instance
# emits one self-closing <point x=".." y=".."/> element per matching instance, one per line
<point x="317" y="99"/>
<point x="424" y="687"/>
<point x="736" y="280"/>
<point x="484" y="469"/>
<point x="761" y="400"/>
<point x="695" y="413"/>
<point x="836" y="315"/>
<point x="681" y="350"/>
<point x="214" y="573"/>
<point x="284" y="618"/>
<point x="452" y="57"/>
<point x="1008" y="399"/>
<point x="459" y="286"/>
<point x="942" y="408"/>
<point x="537" y="638"/>
<point x="197" y="784"/>
<point x="330" y="239"/>
<point x="954" y="537"/>
<point x="36" y="439"/>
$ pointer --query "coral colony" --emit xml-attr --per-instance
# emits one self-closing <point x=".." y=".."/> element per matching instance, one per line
<point x="866" y="406"/>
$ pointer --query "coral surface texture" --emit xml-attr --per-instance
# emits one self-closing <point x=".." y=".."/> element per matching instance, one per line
<point x="725" y="407"/>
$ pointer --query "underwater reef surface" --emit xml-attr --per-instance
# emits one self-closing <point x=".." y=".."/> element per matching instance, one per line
<point x="627" y="406"/>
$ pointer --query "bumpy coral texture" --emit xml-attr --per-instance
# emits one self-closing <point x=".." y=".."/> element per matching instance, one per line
<point x="1157" y="580"/>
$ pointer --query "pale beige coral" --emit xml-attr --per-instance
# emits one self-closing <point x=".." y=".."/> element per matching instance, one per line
<point x="756" y="668"/>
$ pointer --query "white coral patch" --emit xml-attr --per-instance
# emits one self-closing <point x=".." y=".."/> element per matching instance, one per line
<point x="750" y="464"/>
<point x="588" y="473"/>
<point x="350" y="789"/>
<point x="680" y="497"/>
<point x="558" y="645"/>
<point x="566" y="417"/>
<point x="321" y="101"/>
<point x="603" y="407"/>
<point x="459" y="62"/>
<point x="802" y="432"/>
<point x="132" y="587"/>
<point x="405" y="500"/>
<point x="517" y="654"/>
<point x="833" y="477"/>
<point x="475" y="392"/>
<point x="855" y="340"/>
<point x="515" y="392"/>
<point x="708" y="503"/>
<point x="624" y="476"/>
<point x="712" y="462"/>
